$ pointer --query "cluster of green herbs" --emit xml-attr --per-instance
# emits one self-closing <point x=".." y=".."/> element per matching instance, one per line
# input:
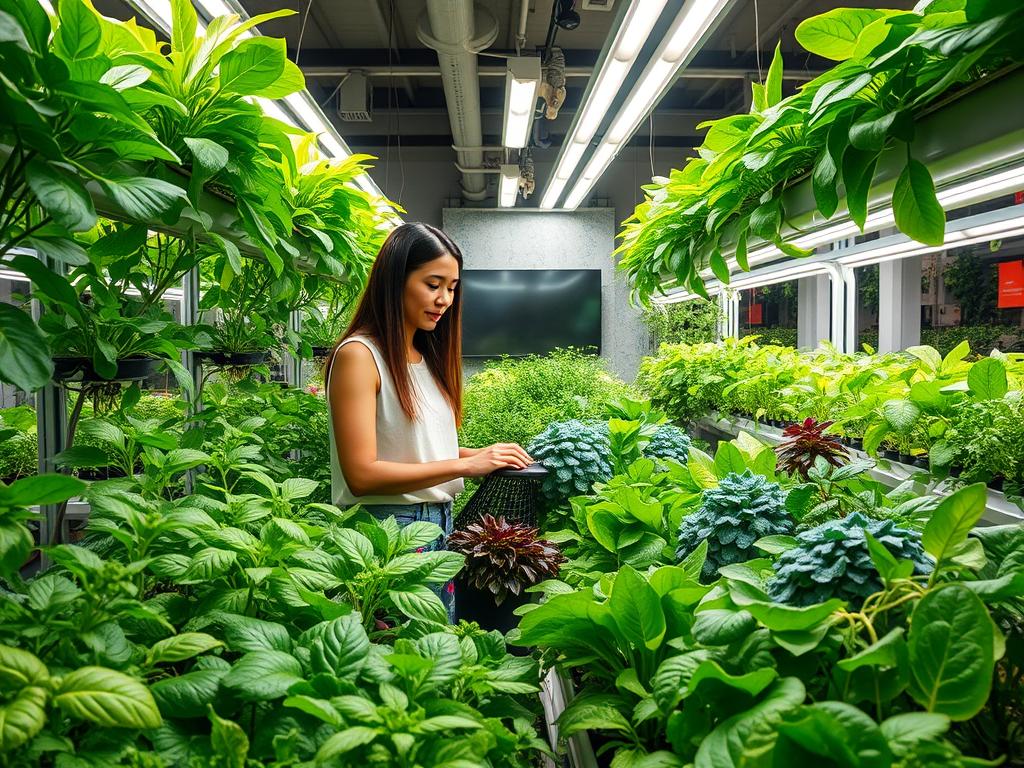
<point x="965" y="415"/>
<point x="240" y="623"/>
<point x="724" y="611"/>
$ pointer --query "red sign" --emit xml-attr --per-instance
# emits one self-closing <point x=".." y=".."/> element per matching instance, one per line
<point x="1011" y="284"/>
<point x="755" y="316"/>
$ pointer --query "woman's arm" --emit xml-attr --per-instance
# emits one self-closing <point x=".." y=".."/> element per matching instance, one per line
<point x="353" y="396"/>
<point x="467" y="452"/>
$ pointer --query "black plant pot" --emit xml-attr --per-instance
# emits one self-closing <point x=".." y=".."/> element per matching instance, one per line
<point x="128" y="369"/>
<point x="906" y="458"/>
<point x="321" y="351"/>
<point x="234" y="359"/>
<point x="857" y="443"/>
<point x="922" y="461"/>
<point x="472" y="604"/>
<point x="885" y="453"/>
<point x="955" y="470"/>
<point x="996" y="483"/>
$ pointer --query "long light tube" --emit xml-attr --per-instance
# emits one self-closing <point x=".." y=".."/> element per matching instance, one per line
<point x="629" y="41"/>
<point x="878" y="254"/>
<point x="522" y="81"/>
<point x="688" y="29"/>
<point x="508" y="186"/>
<point x="975" y="190"/>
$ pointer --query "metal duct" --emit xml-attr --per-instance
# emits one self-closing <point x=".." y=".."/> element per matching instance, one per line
<point x="450" y="28"/>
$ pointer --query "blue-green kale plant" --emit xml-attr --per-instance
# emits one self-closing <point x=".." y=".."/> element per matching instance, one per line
<point x="833" y="560"/>
<point x="575" y="455"/>
<point x="741" y="510"/>
<point x="668" y="442"/>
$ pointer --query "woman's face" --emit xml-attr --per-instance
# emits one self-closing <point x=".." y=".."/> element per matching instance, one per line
<point x="430" y="291"/>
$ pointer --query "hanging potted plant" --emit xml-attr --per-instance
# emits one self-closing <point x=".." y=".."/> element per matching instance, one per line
<point x="502" y="559"/>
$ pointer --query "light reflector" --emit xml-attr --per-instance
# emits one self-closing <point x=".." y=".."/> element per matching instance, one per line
<point x="508" y="186"/>
<point x="522" y="80"/>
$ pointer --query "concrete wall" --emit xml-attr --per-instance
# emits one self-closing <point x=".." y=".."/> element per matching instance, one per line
<point x="425" y="181"/>
<point x="582" y="239"/>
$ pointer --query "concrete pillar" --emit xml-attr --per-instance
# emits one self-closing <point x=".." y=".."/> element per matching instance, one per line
<point x="813" y="312"/>
<point x="899" y="304"/>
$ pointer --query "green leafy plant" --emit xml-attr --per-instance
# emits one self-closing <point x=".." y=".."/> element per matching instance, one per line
<point x="835" y="560"/>
<point x="690" y="322"/>
<point x="575" y="455"/>
<point x="891" y="65"/>
<point x="512" y="400"/>
<point x="741" y="510"/>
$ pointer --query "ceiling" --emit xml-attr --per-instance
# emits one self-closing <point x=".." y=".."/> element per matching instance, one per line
<point x="331" y="38"/>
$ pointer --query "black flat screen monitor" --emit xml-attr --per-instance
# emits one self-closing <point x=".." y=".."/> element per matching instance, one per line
<point x="530" y="311"/>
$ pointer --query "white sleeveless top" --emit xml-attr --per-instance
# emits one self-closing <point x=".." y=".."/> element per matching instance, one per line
<point x="431" y="436"/>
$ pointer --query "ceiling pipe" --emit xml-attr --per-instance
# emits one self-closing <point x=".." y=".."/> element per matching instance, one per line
<point x="524" y="14"/>
<point x="450" y="28"/>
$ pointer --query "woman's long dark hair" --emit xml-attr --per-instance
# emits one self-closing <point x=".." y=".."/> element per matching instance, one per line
<point x="380" y="315"/>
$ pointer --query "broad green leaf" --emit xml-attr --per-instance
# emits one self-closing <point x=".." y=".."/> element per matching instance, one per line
<point x="41" y="489"/>
<point x="901" y="414"/>
<point x="593" y="711"/>
<point x="637" y="610"/>
<point x="889" y="651"/>
<point x="188" y="695"/>
<point x="263" y="675"/>
<point x="952" y="520"/>
<point x="16" y="543"/>
<point x="728" y="458"/>
<point x="858" y="173"/>
<point x="918" y="213"/>
<point x="339" y="647"/>
<point x="773" y="83"/>
<point x="951" y="652"/>
<point x="321" y="709"/>
<point x="834" y="34"/>
<point x="418" y="602"/>
<point x="61" y="195"/>
<point x="19" y="668"/>
<point x="244" y="633"/>
<point x="721" y="626"/>
<point x="24" y="358"/>
<point x="79" y="33"/>
<point x="253" y="66"/>
<point x="208" y="154"/>
<point x="228" y="740"/>
<point x="775" y="545"/>
<point x="22" y="714"/>
<point x="181" y="647"/>
<point x="184" y="23"/>
<point x="987" y="379"/>
<point x="143" y="198"/>
<point x="836" y="732"/>
<point x="345" y="741"/>
<point x="750" y="730"/>
<point x="752" y="683"/>
<point x="107" y="698"/>
<point x="906" y="730"/>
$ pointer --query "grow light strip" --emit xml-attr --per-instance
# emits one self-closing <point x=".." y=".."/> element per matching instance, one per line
<point x="964" y="193"/>
<point x="877" y="254"/>
<point x="630" y="38"/>
<point x="689" y="29"/>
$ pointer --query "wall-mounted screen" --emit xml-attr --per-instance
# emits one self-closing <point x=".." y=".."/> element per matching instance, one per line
<point x="529" y="311"/>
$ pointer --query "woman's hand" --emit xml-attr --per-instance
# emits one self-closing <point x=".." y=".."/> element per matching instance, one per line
<point x="494" y="457"/>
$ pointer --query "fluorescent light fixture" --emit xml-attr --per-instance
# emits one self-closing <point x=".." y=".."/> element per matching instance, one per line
<point x="629" y="40"/>
<point x="522" y="81"/>
<point x="508" y="186"/>
<point x="957" y="195"/>
<point x="552" y="193"/>
<point x="688" y="29"/>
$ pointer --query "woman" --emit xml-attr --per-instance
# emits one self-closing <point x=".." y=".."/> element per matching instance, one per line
<point x="394" y="390"/>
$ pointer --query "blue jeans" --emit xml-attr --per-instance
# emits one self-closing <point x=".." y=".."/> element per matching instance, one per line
<point x="439" y="513"/>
